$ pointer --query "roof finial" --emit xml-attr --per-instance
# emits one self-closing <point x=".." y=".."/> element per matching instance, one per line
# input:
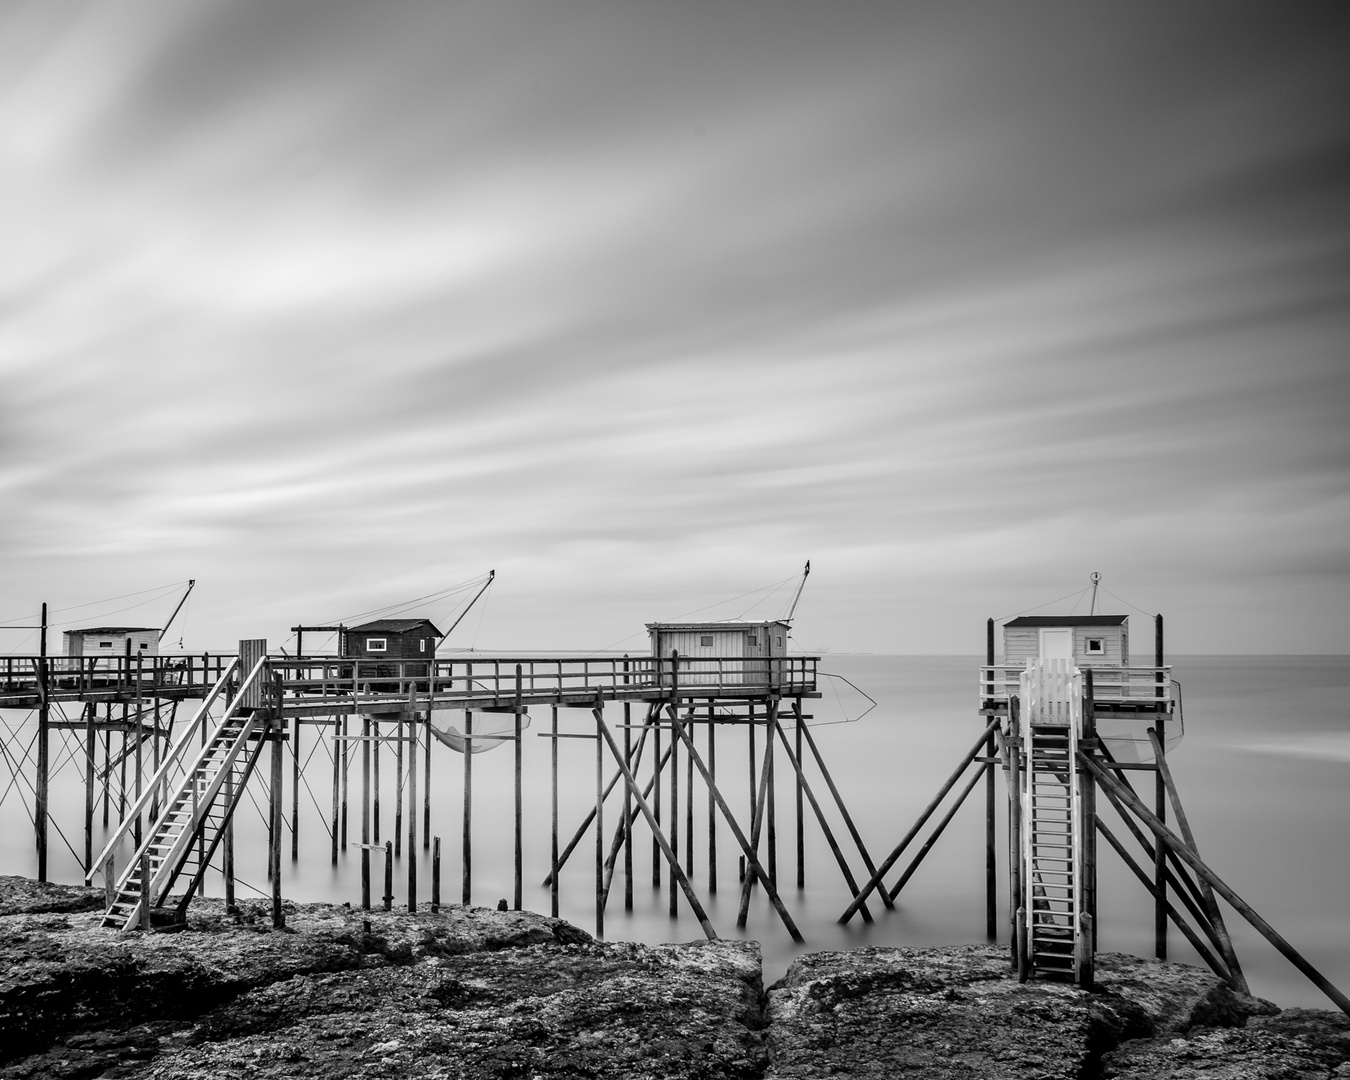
<point x="1096" y="577"/>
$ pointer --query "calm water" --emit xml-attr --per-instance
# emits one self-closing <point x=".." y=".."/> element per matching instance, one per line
<point x="1264" y="772"/>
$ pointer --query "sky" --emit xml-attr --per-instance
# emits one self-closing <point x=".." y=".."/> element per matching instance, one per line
<point x="330" y="306"/>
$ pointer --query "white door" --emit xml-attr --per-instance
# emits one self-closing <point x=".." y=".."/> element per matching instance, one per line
<point x="1056" y="644"/>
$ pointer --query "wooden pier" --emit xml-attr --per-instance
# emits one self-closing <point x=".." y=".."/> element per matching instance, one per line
<point x="171" y="746"/>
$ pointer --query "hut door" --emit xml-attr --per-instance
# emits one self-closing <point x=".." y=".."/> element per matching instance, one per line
<point x="1056" y="644"/>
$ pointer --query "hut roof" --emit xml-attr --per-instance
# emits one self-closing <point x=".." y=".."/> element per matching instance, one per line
<point x="394" y="626"/>
<point x="116" y="630"/>
<point x="720" y="624"/>
<point x="1067" y="620"/>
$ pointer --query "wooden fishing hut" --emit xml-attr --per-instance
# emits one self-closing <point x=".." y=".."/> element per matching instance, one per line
<point x="390" y="639"/>
<point x="731" y="652"/>
<point x="112" y="641"/>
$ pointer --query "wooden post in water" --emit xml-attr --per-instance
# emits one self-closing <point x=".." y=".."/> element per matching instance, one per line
<point x="712" y="803"/>
<point x="295" y="788"/>
<point x="276" y="732"/>
<point x="673" y="887"/>
<point x="1017" y="890"/>
<point x="800" y="817"/>
<point x="346" y="762"/>
<point x="553" y="874"/>
<point x="365" y="812"/>
<point x="627" y="823"/>
<point x="227" y="844"/>
<point x="40" y="792"/>
<point x="600" y="829"/>
<point x="375" y="780"/>
<point x="435" y="872"/>
<point x="689" y="807"/>
<point x="398" y="786"/>
<point x="656" y="797"/>
<point x="388" y="875"/>
<point x="770" y="717"/>
<point x="466" y="856"/>
<point x="518" y="890"/>
<point x="990" y="793"/>
<point x="337" y="793"/>
<point x="90" y="754"/>
<point x="107" y="763"/>
<point x="140" y="741"/>
<point x="1159" y="807"/>
<point x="412" y="798"/>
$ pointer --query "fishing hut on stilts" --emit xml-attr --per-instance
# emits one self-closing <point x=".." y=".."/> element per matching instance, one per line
<point x="1068" y="719"/>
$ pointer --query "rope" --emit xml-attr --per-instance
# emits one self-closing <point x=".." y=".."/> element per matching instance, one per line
<point x="1038" y="607"/>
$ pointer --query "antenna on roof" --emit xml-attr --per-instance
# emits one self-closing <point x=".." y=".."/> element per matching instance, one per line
<point x="1096" y="577"/>
<point x="805" y="574"/>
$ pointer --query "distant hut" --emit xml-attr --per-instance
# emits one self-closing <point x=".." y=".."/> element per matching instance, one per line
<point x="391" y="639"/>
<point x="1087" y="640"/>
<point x="112" y="641"/>
<point x="712" y="653"/>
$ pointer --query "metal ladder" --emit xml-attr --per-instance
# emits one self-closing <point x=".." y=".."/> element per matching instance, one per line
<point x="192" y="822"/>
<point x="1056" y="935"/>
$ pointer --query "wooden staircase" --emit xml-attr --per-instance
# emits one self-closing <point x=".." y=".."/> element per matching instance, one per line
<point x="191" y="823"/>
<point x="1057" y="935"/>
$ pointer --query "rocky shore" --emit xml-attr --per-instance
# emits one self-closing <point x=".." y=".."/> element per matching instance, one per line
<point x="476" y="993"/>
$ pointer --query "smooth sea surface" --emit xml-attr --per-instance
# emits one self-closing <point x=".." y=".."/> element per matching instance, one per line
<point x="1263" y="770"/>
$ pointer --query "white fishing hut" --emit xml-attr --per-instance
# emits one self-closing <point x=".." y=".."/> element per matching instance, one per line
<point x="722" y="653"/>
<point x="1088" y="640"/>
<point x="112" y="641"/>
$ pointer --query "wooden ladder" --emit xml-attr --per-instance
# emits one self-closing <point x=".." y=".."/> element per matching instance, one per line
<point x="1051" y="844"/>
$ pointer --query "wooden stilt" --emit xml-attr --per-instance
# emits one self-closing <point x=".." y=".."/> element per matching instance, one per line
<point x="295" y="788"/>
<point x="435" y="873"/>
<point x="122" y="770"/>
<point x="655" y="827"/>
<point x="627" y="805"/>
<point x="890" y="860"/>
<point x="1160" y="808"/>
<point x="771" y="810"/>
<point x="398" y="786"/>
<point x="712" y="803"/>
<point x="656" y="809"/>
<point x="553" y="870"/>
<point x="375" y="780"/>
<point x="760" y="802"/>
<point x="975" y="778"/>
<point x="600" y="831"/>
<point x="689" y="808"/>
<point x="466" y="842"/>
<point x="1167" y="839"/>
<point x="388" y="875"/>
<point x="1225" y="943"/>
<point x="426" y="786"/>
<point x="337" y="792"/>
<point x="365" y="812"/>
<point x="518" y="892"/>
<point x="805" y="787"/>
<point x="107" y="764"/>
<point x="227" y="854"/>
<point x="839" y="803"/>
<point x="1017" y="904"/>
<point x="140" y="745"/>
<point x="617" y="842"/>
<point x="747" y="846"/>
<point x="40" y="792"/>
<point x="412" y="801"/>
<point x="674" y="816"/>
<point x="90" y="755"/>
<point x="990" y="845"/>
<point x="277" y="825"/>
<point x="800" y="817"/>
<point x="346" y="762"/>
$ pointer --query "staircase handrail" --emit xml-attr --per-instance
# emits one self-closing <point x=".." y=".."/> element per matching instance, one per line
<point x="170" y="858"/>
<point x="148" y="839"/>
<point x="147" y="794"/>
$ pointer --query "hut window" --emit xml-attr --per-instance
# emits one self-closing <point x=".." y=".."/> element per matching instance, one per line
<point x="705" y="641"/>
<point x="780" y="641"/>
<point x="421" y="644"/>
<point x="143" y="645"/>
<point x="752" y="640"/>
<point x="376" y="644"/>
<point x="1096" y="645"/>
<point x="105" y="644"/>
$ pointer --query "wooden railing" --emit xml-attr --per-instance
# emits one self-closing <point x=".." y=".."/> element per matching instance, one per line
<point x="1111" y="685"/>
<point x="500" y="679"/>
<point x="87" y="674"/>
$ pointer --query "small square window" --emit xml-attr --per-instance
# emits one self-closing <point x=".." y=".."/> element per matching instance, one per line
<point x="705" y="641"/>
<point x="376" y="644"/>
<point x="752" y="640"/>
<point x="1096" y="645"/>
